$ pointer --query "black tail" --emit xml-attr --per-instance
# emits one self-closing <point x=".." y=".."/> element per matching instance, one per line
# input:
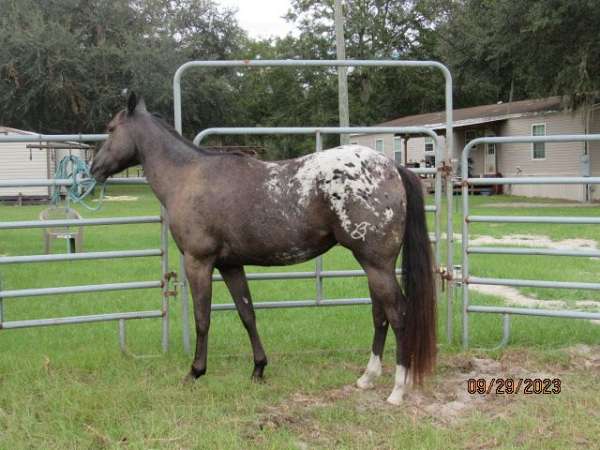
<point x="418" y="281"/>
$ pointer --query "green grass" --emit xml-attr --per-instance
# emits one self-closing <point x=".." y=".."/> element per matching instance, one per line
<point x="70" y="387"/>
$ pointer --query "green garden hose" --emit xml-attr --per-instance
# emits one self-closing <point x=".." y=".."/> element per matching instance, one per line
<point x="74" y="168"/>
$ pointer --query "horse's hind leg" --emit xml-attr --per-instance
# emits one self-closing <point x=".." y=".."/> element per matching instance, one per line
<point x="236" y="282"/>
<point x="380" y="325"/>
<point x="386" y="292"/>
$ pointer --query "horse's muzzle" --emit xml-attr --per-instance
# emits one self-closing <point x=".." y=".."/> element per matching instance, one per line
<point x="99" y="175"/>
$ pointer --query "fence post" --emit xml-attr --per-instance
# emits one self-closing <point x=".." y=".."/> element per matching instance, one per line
<point x="319" y="260"/>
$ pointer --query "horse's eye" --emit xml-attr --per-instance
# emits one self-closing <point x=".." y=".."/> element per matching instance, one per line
<point x="111" y="128"/>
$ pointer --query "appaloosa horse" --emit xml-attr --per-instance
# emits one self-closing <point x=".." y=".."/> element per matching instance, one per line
<point x="228" y="210"/>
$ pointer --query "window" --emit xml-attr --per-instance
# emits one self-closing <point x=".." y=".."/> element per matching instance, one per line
<point x="491" y="149"/>
<point x="428" y="144"/>
<point x="397" y="144"/>
<point x="398" y="149"/>
<point x="538" y="149"/>
<point x="379" y="145"/>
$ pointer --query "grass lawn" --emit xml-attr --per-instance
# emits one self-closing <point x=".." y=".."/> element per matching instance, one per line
<point x="70" y="386"/>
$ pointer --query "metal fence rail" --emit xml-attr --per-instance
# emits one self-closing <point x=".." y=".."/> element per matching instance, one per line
<point x="82" y="319"/>
<point x="162" y="252"/>
<point x="535" y="219"/>
<point x="532" y="251"/>
<point x="297" y="304"/>
<point x="467" y="250"/>
<point x="78" y="222"/>
<point x="446" y="273"/>
<point x="80" y="256"/>
<point x="26" y="182"/>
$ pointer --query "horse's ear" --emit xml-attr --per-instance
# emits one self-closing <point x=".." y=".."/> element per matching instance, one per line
<point x="134" y="104"/>
<point x="131" y="103"/>
<point x="141" y="105"/>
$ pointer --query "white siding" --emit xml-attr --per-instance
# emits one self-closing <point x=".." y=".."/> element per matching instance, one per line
<point x="562" y="159"/>
<point x="416" y="145"/>
<point x="369" y="141"/>
<point x="416" y="150"/>
<point x="15" y="163"/>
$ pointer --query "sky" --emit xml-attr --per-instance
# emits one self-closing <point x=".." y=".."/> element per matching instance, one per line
<point x="261" y="18"/>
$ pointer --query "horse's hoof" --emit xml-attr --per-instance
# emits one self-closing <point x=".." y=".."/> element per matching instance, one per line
<point x="257" y="375"/>
<point x="188" y="380"/>
<point x="259" y="368"/>
<point x="257" y="378"/>
<point x="193" y="375"/>
<point x="364" y="383"/>
<point x="396" y="397"/>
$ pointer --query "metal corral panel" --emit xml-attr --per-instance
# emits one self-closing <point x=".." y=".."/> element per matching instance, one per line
<point x="19" y="162"/>
<point x="594" y="151"/>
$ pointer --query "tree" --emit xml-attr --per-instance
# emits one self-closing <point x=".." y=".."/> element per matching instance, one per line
<point x="63" y="64"/>
<point x="508" y="49"/>
<point x="374" y="29"/>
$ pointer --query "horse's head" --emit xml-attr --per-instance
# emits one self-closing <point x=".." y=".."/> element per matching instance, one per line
<point x="119" y="151"/>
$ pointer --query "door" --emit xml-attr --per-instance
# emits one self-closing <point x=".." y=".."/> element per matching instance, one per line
<point x="490" y="159"/>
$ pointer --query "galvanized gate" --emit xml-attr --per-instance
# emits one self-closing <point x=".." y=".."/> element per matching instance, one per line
<point x="442" y="173"/>
<point x="467" y="250"/>
<point x="161" y="281"/>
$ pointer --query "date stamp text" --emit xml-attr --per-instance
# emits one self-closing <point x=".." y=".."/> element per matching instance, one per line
<point x="510" y="386"/>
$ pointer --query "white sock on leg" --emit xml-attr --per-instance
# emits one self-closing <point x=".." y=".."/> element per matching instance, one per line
<point x="372" y="371"/>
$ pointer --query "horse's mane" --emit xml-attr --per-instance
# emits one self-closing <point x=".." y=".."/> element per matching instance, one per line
<point x="204" y="150"/>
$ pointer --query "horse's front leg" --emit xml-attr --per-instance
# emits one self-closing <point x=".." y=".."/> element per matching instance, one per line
<point x="199" y="274"/>
<point x="236" y="282"/>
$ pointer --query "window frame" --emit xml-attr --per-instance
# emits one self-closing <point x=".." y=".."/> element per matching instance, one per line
<point x="382" y="145"/>
<point x="398" y="139"/>
<point x="533" y="125"/>
<point x="429" y="141"/>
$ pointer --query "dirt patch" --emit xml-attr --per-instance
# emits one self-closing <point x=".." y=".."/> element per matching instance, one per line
<point x="512" y="296"/>
<point x="444" y="400"/>
<point x="532" y="240"/>
<point x="118" y="198"/>
<point x="585" y="357"/>
<point x="537" y="205"/>
<point x="528" y="240"/>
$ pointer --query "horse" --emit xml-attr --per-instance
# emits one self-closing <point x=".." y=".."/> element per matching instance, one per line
<point x="226" y="210"/>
